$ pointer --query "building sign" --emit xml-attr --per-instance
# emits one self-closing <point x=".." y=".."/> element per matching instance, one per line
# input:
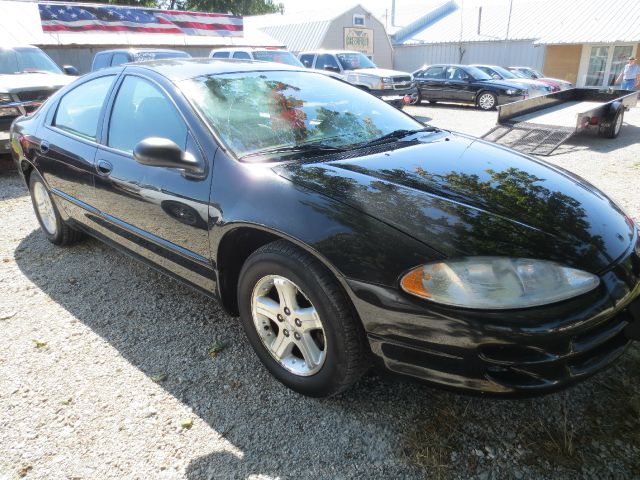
<point x="359" y="39"/>
<point x="69" y="17"/>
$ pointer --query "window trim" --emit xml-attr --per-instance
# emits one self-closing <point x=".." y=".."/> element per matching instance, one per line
<point x="359" y="16"/>
<point x="53" y="112"/>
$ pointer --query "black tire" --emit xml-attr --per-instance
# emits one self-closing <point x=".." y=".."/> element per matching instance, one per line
<point x="64" y="234"/>
<point x="346" y="351"/>
<point x="418" y="99"/>
<point x="489" y="104"/>
<point x="612" y="130"/>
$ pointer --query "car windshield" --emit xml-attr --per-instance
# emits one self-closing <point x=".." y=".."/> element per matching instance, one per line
<point x="278" y="110"/>
<point x="504" y="73"/>
<point x="353" y="61"/>
<point x="278" y="56"/>
<point x="477" y="73"/>
<point x="26" y="60"/>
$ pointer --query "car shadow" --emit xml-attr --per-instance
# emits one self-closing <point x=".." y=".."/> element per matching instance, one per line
<point x="163" y="328"/>
<point x="629" y="135"/>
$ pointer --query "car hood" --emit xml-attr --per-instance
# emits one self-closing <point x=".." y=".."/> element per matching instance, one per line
<point x="506" y="84"/>
<point x="379" y="72"/>
<point x="33" y="81"/>
<point x="463" y="197"/>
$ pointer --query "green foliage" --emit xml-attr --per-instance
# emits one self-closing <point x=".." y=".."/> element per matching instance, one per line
<point x="236" y="7"/>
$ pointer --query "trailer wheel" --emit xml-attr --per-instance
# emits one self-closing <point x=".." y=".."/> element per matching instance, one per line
<point x="612" y="130"/>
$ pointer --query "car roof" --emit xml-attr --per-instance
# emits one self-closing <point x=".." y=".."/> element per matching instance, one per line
<point x="248" y="49"/>
<point x="321" y="50"/>
<point x="133" y="50"/>
<point x="177" y="69"/>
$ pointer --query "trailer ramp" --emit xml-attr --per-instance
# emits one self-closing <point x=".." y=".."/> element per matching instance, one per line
<point x="529" y="137"/>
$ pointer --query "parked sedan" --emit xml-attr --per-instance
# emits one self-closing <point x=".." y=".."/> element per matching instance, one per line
<point x="465" y="84"/>
<point x="118" y="56"/>
<point x="534" y="88"/>
<point x="340" y="229"/>
<point x="556" y="83"/>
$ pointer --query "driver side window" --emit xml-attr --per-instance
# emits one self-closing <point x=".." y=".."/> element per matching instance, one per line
<point x="326" y="60"/>
<point x="141" y="111"/>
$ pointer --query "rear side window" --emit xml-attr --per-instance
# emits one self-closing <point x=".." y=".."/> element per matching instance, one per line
<point x="326" y="60"/>
<point x="242" y="55"/>
<point x="142" y="110"/>
<point x="307" y="60"/>
<point x="434" y="73"/>
<point x="220" y="55"/>
<point x="120" y="58"/>
<point x="101" y="60"/>
<point x="79" y="110"/>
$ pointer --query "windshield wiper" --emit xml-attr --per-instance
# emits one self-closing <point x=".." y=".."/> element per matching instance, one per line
<point x="396" y="135"/>
<point x="314" y="147"/>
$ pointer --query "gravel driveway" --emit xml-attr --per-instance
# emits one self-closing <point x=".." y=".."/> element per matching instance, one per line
<point x="110" y="370"/>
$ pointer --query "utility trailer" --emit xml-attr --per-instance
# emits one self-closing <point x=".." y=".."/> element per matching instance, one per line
<point x="539" y="125"/>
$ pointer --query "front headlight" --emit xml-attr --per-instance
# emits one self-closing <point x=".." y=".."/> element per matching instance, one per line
<point x="497" y="282"/>
<point x="5" y="98"/>
<point x="515" y="92"/>
<point x="386" y="83"/>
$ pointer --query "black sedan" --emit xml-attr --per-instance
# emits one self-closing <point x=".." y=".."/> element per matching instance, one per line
<point x="466" y="84"/>
<point x="340" y="230"/>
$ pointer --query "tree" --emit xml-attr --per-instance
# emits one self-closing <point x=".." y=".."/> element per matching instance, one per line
<point x="236" y="7"/>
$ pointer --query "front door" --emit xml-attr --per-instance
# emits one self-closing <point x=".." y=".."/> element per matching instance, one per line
<point x="605" y="64"/>
<point x="158" y="213"/>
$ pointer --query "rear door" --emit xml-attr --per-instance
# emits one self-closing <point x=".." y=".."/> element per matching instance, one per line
<point x="69" y="143"/>
<point x="158" y="213"/>
<point x="431" y="82"/>
<point x="457" y="85"/>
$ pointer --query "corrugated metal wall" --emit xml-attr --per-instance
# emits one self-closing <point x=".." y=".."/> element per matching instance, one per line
<point x="81" y="56"/>
<point x="409" y="58"/>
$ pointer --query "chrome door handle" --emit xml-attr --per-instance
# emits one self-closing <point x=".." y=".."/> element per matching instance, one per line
<point x="44" y="146"/>
<point x="104" y="167"/>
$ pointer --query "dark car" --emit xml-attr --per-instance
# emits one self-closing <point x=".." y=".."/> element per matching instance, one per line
<point x="112" y="58"/>
<point x="340" y="229"/>
<point x="465" y="84"/>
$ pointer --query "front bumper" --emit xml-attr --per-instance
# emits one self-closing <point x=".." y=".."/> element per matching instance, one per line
<point x="511" y="353"/>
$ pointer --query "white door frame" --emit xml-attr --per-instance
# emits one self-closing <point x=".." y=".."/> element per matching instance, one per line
<point x="586" y="53"/>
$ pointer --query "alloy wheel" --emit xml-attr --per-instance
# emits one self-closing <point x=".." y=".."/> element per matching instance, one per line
<point x="486" y="101"/>
<point x="288" y="325"/>
<point x="44" y="205"/>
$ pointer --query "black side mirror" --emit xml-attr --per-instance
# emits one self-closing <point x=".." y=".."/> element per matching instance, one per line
<point x="71" y="70"/>
<point x="162" y="152"/>
<point x="331" y="68"/>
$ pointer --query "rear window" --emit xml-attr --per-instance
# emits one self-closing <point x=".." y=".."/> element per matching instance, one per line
<point x="278" y="56"/>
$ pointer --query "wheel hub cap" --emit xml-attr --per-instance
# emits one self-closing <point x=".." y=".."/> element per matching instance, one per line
<point x="288" y="325"/>
<point x="45" y="208"/>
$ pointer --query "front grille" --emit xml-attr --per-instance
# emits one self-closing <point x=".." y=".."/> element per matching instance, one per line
<point x="406" y="78"/>
<point x="35" y="95"/>
<point x="401" y="83"/>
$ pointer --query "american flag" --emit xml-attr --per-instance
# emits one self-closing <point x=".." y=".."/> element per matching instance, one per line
<point x="65" y="17"/>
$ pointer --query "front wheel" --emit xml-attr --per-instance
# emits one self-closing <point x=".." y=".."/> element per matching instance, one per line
<point x="300" y="322"/>
<point x="487" y="101"/>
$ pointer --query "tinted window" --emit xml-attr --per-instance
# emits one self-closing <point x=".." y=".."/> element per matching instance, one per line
<point x="325" y="60"/>
<point x="307" y="60"/>
<point x="434" y="73"/>
<point x="476" y="73"/>
<point x="220" y="55"/>
<point x="101" y="60"/>
<point x="26" y="59"/>
<point x="242" y="55"/>
<point x="457" y="74"/>
<point x="79" y="110"/>
<point x="119" y="58"/>
<point x="141" y="111"/>
<point x="150" y="55"/>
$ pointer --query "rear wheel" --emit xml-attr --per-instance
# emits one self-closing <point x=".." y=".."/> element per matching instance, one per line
<point x="487" y="101"/>
<point x="54" y="228"/>
<point x="613" y="129"/>
<point x="299" y="321"/>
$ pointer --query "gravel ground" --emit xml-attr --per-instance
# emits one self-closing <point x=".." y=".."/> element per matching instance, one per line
<point x="107" y="371"/>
